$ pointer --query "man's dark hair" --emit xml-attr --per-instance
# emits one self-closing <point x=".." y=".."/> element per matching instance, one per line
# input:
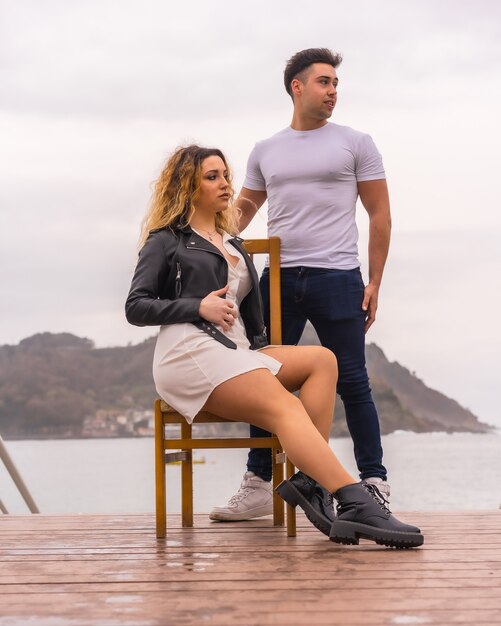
<point x="303" y="59"/>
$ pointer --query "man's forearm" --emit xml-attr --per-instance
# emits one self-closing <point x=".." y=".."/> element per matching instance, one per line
<point x="379" y="243"/>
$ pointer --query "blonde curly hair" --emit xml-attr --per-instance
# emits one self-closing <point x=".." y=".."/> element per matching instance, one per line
<point x="176" y="189"/>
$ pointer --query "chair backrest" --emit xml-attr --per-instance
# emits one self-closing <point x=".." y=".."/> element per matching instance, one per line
<point x="271" y="246"/>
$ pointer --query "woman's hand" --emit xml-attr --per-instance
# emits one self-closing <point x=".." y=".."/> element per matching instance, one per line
<point x="216" y="309"/>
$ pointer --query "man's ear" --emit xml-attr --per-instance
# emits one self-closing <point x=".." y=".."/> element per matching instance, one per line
<point x="296" y="87"/>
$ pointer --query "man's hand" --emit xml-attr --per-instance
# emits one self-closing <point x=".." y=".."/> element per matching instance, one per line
<point x="216" y="309"/>
<point x="369" y="304"/>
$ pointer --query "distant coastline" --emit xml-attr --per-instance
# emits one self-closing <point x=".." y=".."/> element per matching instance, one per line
<point x="59" y="386"/>
<point x="395" y="433"/>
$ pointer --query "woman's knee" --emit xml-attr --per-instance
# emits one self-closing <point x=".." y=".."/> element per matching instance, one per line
<point x="289" y="408"/>
<point x="326" y="360"/>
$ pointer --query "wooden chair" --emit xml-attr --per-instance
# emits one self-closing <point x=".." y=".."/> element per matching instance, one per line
<point x="164" y="414"/>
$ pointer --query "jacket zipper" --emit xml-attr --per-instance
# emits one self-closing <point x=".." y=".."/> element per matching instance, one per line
<point x="178" y="280"/>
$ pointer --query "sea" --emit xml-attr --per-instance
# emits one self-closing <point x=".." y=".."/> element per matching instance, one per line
<point x="434" y="471"/>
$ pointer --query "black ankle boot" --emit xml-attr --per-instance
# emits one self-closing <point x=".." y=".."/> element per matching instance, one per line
<point x="315" y="501"/>
<point x="362" y="512"/>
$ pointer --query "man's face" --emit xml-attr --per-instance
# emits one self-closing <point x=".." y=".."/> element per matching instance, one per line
<point x="317" y="91"/>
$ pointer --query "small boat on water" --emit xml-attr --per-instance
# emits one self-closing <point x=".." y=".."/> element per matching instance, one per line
<point x="196" y="461"/>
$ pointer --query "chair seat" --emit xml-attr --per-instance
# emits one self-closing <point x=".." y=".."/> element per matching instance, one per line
<point x="171" y="416"/>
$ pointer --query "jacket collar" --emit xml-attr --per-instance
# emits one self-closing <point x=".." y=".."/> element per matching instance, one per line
<point x="184" y="229"/>
<point x="188" y="230"/>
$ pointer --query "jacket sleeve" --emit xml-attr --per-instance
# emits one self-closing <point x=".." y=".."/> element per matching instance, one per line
<point x="144" y="307"/>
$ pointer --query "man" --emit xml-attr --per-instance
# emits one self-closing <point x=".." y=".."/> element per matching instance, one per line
<point x="311" y="173"/>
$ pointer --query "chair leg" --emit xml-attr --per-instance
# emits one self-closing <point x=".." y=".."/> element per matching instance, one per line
<point x="160" y="489"/>
<point x="291" y="511"/>
<point x="277" y="477"/>
<point x="187" y="480"/>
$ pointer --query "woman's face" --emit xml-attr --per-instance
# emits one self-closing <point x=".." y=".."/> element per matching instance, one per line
<point x="214" y="190"/>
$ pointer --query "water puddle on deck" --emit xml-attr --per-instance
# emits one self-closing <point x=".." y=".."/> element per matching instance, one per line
<point x="404" y="620"/>
<point x="194" y="562"/>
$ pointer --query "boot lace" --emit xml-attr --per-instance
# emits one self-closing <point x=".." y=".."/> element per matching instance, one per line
<point x="378" y="497"/>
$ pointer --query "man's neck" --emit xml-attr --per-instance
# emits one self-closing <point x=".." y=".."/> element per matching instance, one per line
<point x="302" y="122"/>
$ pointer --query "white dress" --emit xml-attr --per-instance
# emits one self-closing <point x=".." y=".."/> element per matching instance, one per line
<point x="188" y="363"/>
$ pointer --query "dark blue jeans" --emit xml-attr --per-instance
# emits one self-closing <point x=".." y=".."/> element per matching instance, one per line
<point x="332" y="301"/>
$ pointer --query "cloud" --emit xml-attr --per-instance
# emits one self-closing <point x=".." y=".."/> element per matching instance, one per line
<point x="436" y="313"/>
<point x="125" y="59"/>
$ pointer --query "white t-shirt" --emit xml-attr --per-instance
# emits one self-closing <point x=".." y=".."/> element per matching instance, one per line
<point x="310" y="178"/>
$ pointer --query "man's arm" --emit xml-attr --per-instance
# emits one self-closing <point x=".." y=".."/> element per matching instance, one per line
<point x="249" y="202"/>
<point x="374" y="197"/>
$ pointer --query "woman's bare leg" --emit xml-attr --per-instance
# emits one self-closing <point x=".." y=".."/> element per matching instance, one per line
<point x="257" y="397"/>
<point x="311" y="370"/>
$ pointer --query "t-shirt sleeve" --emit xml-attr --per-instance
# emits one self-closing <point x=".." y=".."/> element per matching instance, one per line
<point x="368" y="161"/>
<point x="254" y="178"/>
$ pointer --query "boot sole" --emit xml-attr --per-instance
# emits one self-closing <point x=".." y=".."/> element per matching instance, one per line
<point x="294" y="497"/>
<point x="350" y="532"/>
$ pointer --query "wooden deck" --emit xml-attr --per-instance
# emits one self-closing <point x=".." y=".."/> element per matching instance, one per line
<point x="107" y="570"/>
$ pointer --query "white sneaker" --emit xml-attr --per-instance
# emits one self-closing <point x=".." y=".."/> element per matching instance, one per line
<point x="253" y="499"/>
<point x="381" y="484"/>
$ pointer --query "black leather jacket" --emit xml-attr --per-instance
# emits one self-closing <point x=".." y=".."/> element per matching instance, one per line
<point x="176" y="269"/>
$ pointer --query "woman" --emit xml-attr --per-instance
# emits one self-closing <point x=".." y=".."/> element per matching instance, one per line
<point x="196" y="282"/>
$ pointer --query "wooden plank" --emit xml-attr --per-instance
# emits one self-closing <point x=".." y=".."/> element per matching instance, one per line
<point x="162" y="609"/>
<point x="241" y="583"/>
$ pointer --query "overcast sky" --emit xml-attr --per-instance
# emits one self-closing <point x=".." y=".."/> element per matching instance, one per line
<point x="95" y="94"/>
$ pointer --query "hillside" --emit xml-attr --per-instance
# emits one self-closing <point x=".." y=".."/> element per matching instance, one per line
<point x="50" y="382"/>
